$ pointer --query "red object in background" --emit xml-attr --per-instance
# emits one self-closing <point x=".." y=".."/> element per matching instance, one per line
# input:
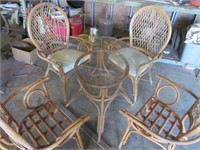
<point x="75" y="26"/>
<point x="60" y="30"/>
<point x="28" y="10"/>
<point x="195" y="2"/>
<point x="56" y="29"/>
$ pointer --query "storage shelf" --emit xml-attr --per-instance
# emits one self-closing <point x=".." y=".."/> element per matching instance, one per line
<point x="168" y="7"/>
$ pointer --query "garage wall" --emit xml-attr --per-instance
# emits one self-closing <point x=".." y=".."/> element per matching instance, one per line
<point x="121" y="12"/>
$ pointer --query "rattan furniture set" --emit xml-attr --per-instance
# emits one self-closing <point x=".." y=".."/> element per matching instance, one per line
<point x="100" y="67"/>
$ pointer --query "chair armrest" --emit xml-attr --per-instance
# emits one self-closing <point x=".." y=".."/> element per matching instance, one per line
<point x="133" y="118"/>
<point x="153" y="60"/>
<point x="16" y="138"/>
<point x="143" y="67"/>
<point x="175" y="86"/>
<point x="28" y="87"/>
<point x="179" y="141"/>
<point x="76" y="124"/>
<point x="141" y="125"/>
<point x="70" y="131"/>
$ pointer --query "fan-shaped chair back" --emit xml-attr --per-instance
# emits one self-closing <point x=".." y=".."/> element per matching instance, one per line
<point x="150" y="30"/>
<point x="48" y="28"/>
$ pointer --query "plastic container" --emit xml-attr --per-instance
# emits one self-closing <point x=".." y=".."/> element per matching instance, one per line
<point x="105" y="26"/>
<point x="195" y="2"/>
<point x="75" y="26"/>
<point x="191" y="55"/>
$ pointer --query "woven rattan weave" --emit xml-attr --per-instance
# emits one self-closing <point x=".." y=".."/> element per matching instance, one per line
<point x="101" y="81"/>
<point x="48" y="28"/>
<point x="149" y="33"/>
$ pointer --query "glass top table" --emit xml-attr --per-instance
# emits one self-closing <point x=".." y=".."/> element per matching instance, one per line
<point x="100" y="43"/>
<point x="108" y="43"/>
<point x="101" y="80"/>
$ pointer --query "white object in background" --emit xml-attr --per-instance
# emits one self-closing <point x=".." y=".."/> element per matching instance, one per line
<point x="14" y="9"/>
<point x="94" y="31"/>
<point x="75" y="11"/>
<point x="23" y="7"/>
<point x="193" y="35"/>
<point x="191" y="50"/>
<point x="93" y="34"/>
<point x="191" y="55"/>
<point x="41" y="25"/>
<point x="15" y="18"/>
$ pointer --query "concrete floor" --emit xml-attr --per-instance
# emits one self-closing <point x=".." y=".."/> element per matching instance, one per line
<point x="115" y="124"/>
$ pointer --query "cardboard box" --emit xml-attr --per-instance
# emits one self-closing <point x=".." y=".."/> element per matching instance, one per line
<point x="27" y="56"/>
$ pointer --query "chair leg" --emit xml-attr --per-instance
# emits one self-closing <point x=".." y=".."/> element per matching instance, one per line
<point x="135" y="89"/>
<point x="79" y="141"/>
<point x="125" y="136"/>
<point x="63" y="80"/>
<point x="126" y="96"/>
<point x="47" y="71"/>
<point x="150" y="76"/>
<point x="171" y="146"/>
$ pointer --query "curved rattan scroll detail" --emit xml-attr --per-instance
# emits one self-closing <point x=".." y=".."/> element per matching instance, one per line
<point x="101" y="80"/>
<point x="81" y="44"/>
<point x="27" y="98"/>
<point x="174" y="88"/>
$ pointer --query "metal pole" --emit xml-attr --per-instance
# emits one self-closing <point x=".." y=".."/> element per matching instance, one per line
<point x="195" y="18"/>
<point x="131" y="12"/>
<point x="111" y="10"/>
<point x="93" y="11"/>
<point x="173" y="18"/>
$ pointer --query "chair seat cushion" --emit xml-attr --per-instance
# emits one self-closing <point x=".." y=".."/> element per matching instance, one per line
<point x="67" y="57"/>
<point x="134" y="57"/>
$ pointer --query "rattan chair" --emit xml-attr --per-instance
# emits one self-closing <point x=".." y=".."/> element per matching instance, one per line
<point x="170" y="116"/>
<point x="149" y="33"/>
<point x="48" y="28"/>
<point x="33" y="121"/>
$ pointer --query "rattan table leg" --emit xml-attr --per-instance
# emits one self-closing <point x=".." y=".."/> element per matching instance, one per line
<point x="100" y="125"/>
<point x="101" y="116"/>
<point x="101" y="108"/>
